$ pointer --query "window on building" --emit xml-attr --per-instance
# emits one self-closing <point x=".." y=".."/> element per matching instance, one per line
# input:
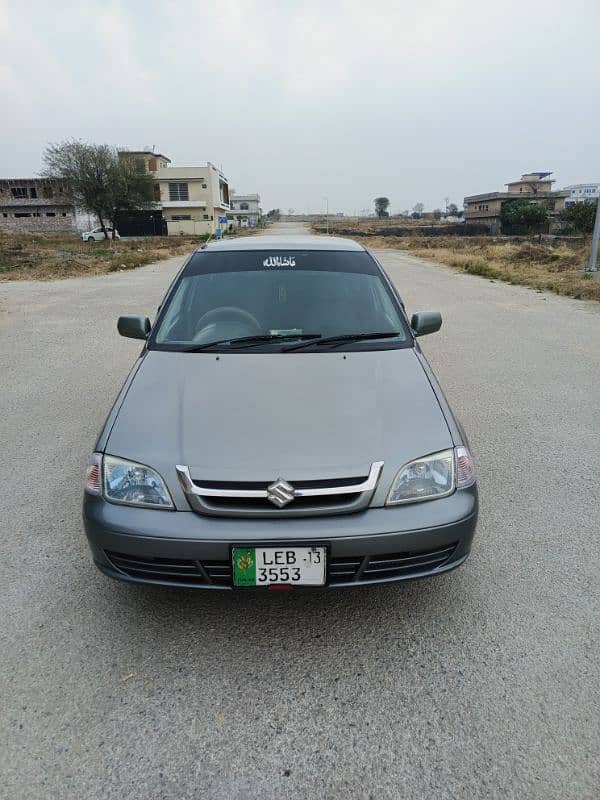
<point x="64" y="213"/>
<point x="204" y="186"/>
<point x="19" y="191"/>
<point x="47" y="192"/>
<point x="178" y="191"/>
<point x="36" y="214"/>
<point x="205" y="216"/>
<point x="33" y="193"/>
<point x="180" y="217"/>
<point x="20" y="214"/>
<point x="244" y="206"/>
<point x="4" y="214"/>
<point x="50" y="214"/>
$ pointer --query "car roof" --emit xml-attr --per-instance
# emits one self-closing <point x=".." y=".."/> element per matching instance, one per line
<point x="283" y="243"/>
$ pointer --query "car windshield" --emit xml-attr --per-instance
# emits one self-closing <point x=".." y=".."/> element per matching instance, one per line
<point x="271" y="298"/>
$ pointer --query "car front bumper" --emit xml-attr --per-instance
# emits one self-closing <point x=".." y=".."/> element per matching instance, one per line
<point x="183" y="548"/>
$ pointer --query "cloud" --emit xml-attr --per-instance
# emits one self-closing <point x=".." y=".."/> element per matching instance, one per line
<point x="300" y="98"/>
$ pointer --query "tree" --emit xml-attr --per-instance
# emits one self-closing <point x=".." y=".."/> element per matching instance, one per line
<point x="418" y="209"/>
<point x="274" y="214"/>
<point x="523" y="214"/>
<point x="381" y="206"/>
<point x="102" y="183"/>
<point x="437" y="213"/>
<point x="85" y="169"/>
<point x="129" y="187"/>
<point x="580" y="216"/>
<point x="452" y="210"/>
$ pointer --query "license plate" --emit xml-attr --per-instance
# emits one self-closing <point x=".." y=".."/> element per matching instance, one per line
<point x="263" y="566"/>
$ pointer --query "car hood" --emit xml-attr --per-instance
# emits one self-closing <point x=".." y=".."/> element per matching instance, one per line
<point x="261" y="416"/>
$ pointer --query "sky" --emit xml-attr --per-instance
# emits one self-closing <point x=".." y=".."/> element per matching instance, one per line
<point x="302" y="100"/>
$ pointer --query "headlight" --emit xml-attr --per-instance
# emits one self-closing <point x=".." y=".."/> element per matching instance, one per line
<point x="134" y="484"/>
<point x="424" y="479"/>
<point x="127" y="482"/>
<point x="430" y="477"/>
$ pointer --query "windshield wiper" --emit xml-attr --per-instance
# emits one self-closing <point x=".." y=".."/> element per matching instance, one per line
<point x="342" y="339"/>
<point x="248" y="341"/>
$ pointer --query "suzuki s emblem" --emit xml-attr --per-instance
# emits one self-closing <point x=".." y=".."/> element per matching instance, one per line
<point x="280" y="493"/>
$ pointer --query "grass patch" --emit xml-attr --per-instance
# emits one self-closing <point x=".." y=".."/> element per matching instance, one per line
<point x="548" y="266"/>
<point x="479" y="268"/>
<point x="42" y="256"/>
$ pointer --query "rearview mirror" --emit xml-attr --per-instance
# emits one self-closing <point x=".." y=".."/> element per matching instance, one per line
<point x="424" y="322"/>
<point x="134" y="327"/>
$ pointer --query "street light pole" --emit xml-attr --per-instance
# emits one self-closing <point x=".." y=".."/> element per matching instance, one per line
<point x="593" y="262"/>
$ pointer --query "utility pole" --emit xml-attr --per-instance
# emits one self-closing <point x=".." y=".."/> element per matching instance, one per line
<point x="327" y="214"/>
<point x="593" y="262"/>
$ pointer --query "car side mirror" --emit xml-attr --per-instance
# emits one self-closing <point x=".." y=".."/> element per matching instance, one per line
<point x="424" y="322"/>
<point x="135" y="327"/>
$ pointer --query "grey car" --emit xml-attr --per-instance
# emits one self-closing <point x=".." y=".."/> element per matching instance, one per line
<point x="281" y="428"/>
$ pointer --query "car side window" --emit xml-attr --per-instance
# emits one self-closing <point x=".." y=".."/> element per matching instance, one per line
<point x="173" y="313"/>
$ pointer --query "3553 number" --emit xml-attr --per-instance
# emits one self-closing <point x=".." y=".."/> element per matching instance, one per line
<point x="278" y="575"/>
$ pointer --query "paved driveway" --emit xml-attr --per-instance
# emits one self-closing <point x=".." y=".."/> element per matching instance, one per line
<point x="484" y="683"/>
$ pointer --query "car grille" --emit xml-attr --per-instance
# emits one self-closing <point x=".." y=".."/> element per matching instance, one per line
<point x="387" y="566"/>
<point x="248" y="505"/>
<point x="353" y="569"/>
<point x="183" y="571"/>
<point x="255" y="498"/>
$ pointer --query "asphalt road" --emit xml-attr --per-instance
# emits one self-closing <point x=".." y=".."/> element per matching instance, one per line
<point x="484" y="683"/>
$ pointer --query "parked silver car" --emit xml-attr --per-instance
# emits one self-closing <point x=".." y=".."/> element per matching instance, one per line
<point x="280" y="428"/>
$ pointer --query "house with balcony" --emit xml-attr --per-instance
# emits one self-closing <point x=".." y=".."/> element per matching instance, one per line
<point x="245" y="210"/>
<point x="189" y="200"/>
<point x="192" y="198"/>
<point x="36" y="205"/>
<point x="535" y="187"/>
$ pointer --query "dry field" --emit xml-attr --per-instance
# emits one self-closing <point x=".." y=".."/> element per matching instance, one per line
<point x="44" y="256"/>
<point x="551" y="266"/>
<point x="47" y="256"/>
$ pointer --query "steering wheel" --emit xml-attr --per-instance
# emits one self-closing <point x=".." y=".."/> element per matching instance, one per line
<point x="228" y="315"/>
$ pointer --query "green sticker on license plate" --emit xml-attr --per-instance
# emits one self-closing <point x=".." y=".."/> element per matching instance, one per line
<point x="244" y="566"/>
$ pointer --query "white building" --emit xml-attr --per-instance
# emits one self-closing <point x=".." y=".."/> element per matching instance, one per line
<point x="581" y="192"/>
<point x="245" y="210"/>
<point x="193" y="200"/>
